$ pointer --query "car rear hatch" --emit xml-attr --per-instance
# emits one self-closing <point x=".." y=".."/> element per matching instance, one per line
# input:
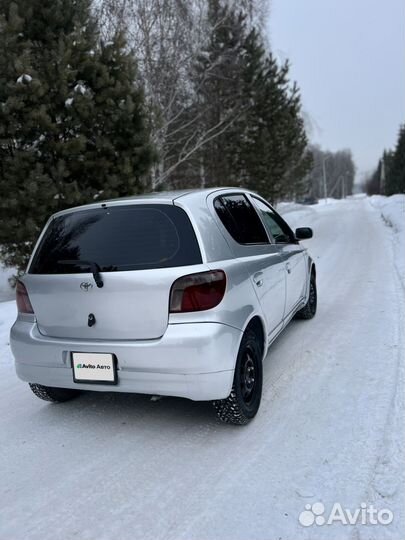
<point x="134" y="251"/>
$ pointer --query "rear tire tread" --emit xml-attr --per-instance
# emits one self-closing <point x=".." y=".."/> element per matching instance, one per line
<point x="231" y="410"/>
<point x="54" y="395"/>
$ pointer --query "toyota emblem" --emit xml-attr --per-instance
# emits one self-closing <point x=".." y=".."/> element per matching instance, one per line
<point x="85" y="286"/>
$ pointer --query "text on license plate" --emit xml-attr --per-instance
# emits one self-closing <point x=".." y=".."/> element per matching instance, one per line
<point x="94" y="367"/>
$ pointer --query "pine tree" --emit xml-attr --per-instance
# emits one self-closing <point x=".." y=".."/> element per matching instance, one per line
<point x="219" y="89"/>
<point x="72" y="124"/>
<point x="272" y="142"/>
<point x="395" y="166"/>
<point x="373" y="182"/>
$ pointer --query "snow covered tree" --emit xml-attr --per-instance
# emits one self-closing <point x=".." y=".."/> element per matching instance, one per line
<point x="72" y="121"/>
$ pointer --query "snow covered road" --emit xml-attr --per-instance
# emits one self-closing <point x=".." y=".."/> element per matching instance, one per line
<point x="330" y="428"/>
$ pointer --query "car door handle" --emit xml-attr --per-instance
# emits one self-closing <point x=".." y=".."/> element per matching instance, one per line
<point x="288" y="268"/>
<point x="258" y="279"/>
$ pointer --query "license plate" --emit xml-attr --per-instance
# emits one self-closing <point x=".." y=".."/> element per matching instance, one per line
<point x="94" y="368"/>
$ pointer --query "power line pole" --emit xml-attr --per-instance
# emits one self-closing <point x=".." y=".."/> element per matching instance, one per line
<point x="325" y="188"/>
<point x="382" y="176"/>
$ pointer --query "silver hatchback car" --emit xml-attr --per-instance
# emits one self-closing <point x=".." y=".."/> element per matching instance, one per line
<point x="177" y="293"/>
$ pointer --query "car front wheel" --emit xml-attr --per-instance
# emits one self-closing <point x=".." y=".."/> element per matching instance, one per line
<point x="309" y="310"/>
<point x="243" y="402"/>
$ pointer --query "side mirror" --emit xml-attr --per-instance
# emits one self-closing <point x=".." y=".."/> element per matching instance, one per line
<point x="303" y="233"/>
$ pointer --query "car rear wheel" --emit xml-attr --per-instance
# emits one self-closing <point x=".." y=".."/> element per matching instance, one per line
<point x="243" y="402"/>
<point x="55" y="395"/>
<point x="309" y="310"/>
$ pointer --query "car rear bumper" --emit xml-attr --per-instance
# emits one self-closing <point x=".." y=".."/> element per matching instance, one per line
<point x="195" y="360"/>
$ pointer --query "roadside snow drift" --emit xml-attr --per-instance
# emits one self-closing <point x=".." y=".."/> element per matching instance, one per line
<point x="392" y="211"/>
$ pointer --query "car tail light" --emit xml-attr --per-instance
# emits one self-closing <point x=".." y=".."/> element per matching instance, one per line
<point x="197" y="292"/>
<point x="23" y="300"/>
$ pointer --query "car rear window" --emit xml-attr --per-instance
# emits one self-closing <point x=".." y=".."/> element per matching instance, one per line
<point x="117" y="238"/>
<point x="240" y="219"/>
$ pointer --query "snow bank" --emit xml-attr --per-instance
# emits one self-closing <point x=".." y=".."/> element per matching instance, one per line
<point x="287" y="207"/>
<point x="303" y="215"/>
<point x="392" y="210"/>
<point x="6" y="291"/>
<point x="8" y="314"/>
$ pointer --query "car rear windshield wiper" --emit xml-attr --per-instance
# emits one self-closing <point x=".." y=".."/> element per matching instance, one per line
<point x="94" y="267"/>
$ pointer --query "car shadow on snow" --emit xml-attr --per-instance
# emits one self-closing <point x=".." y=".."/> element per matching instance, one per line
<point x="109" y="409"/>
<point x="91" y="408"/>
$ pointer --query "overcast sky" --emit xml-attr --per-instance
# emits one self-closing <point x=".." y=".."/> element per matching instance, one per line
<point x="348" y="57"/>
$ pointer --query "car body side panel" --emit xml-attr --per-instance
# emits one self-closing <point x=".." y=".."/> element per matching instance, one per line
<point x="294" y="260"/>
<point x="265" y="270"/>
<point x="268" y="279"/>
<point x="239" y="304"/>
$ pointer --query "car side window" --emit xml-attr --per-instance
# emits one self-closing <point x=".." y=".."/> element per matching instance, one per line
<point x="240" y="219"/>
<point x="276" y="226"/>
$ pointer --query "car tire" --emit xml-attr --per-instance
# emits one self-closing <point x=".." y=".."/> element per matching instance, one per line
<point x="243" y="402"/>
<point x="55" y="395"/>
<point x="309" y="310"/>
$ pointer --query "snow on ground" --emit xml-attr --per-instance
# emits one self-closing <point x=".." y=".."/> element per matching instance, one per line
<point x="6" y="291"/>
<point x="330" y="428"/>
<point x="392" y="211"/>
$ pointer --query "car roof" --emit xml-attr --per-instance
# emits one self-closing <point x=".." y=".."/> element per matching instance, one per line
<point x="168" y="195"/>
<point x="173" y="194"/>
<point x="156" y="197"/>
